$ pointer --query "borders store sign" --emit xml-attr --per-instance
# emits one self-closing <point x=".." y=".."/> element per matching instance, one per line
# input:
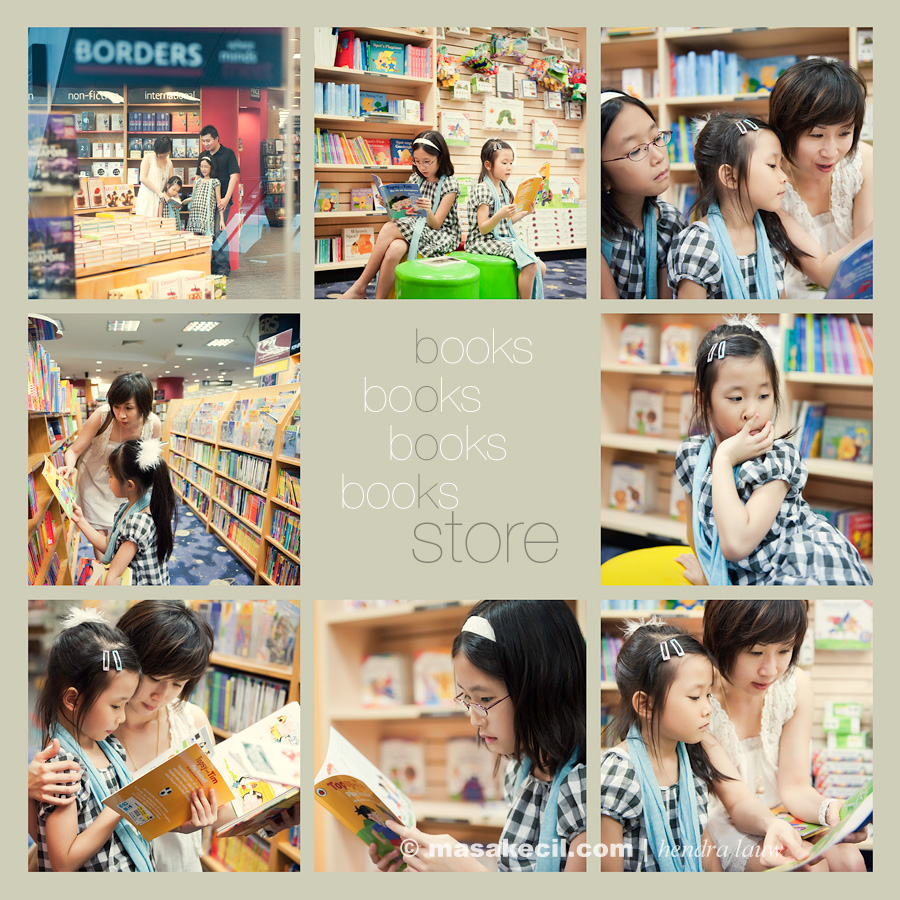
<point x="183" y="57"/>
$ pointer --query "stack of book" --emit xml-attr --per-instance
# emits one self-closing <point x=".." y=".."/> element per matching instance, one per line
<point x="825" y="343"/>
<point x="387" y="57"/>
<point x="47" y="392"/>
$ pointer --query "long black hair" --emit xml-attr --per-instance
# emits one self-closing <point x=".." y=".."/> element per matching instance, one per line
<point x="436" y="146"/>
<point x="489" y="151"/>
<point x="539" y="654"/>
<point x="641" y="668"/>
<point x="129" y="386"/>
<point x="721" y="142"/>
<point x="123" y="463"/>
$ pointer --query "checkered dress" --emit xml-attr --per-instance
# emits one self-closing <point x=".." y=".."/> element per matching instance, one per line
<point x="446" y="238"/>
<point x="627" y="262"/>
<point x="801" y="547"/>
<point x="204" y="213"/>
<point x="141" y="529"/>
<point x="112" y="856"/>
<point x="693" y="256"/>
<point x="620" y="799"/>
<point x="476" y="242"/>
<point x="523" y="823"/>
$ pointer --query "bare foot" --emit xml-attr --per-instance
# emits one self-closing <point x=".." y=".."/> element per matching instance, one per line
<point x="353" y="293"/>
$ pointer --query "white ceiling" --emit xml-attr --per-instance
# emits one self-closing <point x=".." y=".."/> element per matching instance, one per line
<point x="167" y="351"/>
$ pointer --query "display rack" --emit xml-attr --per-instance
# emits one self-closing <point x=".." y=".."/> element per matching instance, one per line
<point x="847" y="395"/>
<point x="343" y="638"/>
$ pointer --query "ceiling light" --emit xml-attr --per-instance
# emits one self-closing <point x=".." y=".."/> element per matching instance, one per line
<point x="123" y="325"/>
<point x="220" y="342"/>
<point x="200" y="326"/>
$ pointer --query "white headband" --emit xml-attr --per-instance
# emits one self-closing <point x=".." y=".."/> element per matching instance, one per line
<point x="611" y="95"/>
<point x="480" y="626"/>
<point x="426" y="141"/>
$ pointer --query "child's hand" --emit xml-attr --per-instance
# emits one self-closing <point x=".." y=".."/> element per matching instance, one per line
<point x="65" y="471"/>
<point x="692" y="570"/>
<point x="77" y="515"/>
<point x="390" y="862"/>
<point x="744" y="445"/>
<point x="285" y="818"/>
<point x="203" y="811"/>
<point x="47" y="779"/>
<point x="782" y="844"/>
<point x="423" y="204"/>
<point x="508" y="211"/>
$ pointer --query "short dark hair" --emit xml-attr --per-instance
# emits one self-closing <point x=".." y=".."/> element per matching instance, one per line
<point x="171" y="640"/>
<point x="129" y="386"/>
<point x="445" y="166"/>
<point x="641" y="668"/>
<point x="732" y="626"/>
<point x="162" y="145"/>
<point x="76" y="661"/>
<point x="209" y="129"/>
<point x="539" y="655"/>
<point x="213" y="168"/>
<point x="812" y="92"/>
<point x="489" y="150"/>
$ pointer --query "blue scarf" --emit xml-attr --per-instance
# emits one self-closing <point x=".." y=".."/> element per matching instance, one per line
<point x="132" y="841"/>
<point x="120" y="517"/>
<point x="735" y="286"/>
<point x="706" y="535"/>
<point x="550" y="862"/>
<point x="422" y="221"/>
<point x="650" y="250"/>
<point x="656" y="817"/>
<point x="523" y="256"/>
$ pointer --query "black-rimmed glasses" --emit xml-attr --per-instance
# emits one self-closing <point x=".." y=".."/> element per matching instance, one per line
<point x="639" y="152"/>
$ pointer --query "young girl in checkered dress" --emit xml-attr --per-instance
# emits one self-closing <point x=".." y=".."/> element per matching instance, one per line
<point x="749" y="521"/>
<point x="520" y="665"/>
<point x="143" y="529"/>
<point x="92" y="672"/>
<point x="655" y="784"/>
<point x="636" y="228"/>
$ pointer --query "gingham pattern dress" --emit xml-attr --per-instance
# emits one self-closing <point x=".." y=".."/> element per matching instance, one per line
<point x="447" y="237"/>
<point x="801" y="547"/>
<point x="694" y="256"/>
<point x="204" y="214"/>
<point x="620" y="799"/>
<point x="627" y="262"/>
<point x="523" y="823"/>
<point x="141" y="529"/>
<point x="476" y="242"/>
<point x="112" y="856"/>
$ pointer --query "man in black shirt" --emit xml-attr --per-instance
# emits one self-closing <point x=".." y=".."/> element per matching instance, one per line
<point x="230" y="175"/>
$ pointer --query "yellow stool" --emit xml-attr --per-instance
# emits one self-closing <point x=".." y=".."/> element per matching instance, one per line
<point x="653" y="565"/>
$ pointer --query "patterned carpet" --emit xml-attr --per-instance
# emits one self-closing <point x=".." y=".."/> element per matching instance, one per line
<point x="199" y="556"/>
<point x="566" y="279"/>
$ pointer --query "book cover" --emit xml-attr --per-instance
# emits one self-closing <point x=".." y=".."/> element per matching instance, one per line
<point x="327" y="199"/>
<point x="631" y="488"/>
<point x="544" y="134"/>
<point x="358" y="241"/>
<point x="384" y="680"/>
<point x="854" y="277"/>
<point x="281" y="639"/>
<point x="62" y="489"/>
<point x="361" y="199"/>
<point x="470" y="771"/>
<point x="645" y="412"/>
<point x="843" y="624"/>
<point x="401" y="152"/>
<point x="399" y="198"/>
<point x="528" y="190"/>
<point x="386" y="57"/>
<point x="638" y="343"/>
<point x="403" y="760"/>
<point x="51" y="258"/>
<point x="847" y="440"/>
<point x="372" y="102"/>
<point x="53" y="151"/>
<point x="360" y="796"/>
<point x="381" y="150"/>
<point x="343" y="55"/>
<point x="678" y="344"/>
<point x="455" y="128"/>
<point x="433" y="680"/>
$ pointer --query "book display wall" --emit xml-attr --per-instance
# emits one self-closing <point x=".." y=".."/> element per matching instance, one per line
<point x="254" y="670"/>
<point x="646" y="364"/>
<point x="390" y="690"/>
<point x="235" y="460"/>
<point x="682" y="73"/>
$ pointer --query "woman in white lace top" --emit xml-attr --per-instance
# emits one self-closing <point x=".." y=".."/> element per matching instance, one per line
<point x="817" y="108"/>
<point x="761" y="722"/>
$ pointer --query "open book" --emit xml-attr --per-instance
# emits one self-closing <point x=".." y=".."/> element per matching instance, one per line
<point x="62" y="489"/>
<point x="527" y="191"/>
<point x="856" y="813"/>
<point x="360" y="796"/>
<point x="399" y="199"/>
<point x="853" y="279"/>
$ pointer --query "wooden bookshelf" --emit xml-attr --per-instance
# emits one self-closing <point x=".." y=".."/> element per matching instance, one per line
<point x="846" y="395"/>
<point x="343" y="638"/>
<point x="188" y="415"/>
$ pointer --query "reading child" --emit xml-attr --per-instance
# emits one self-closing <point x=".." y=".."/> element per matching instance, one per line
<point x="142" y="533"/>
<point x="492" y="213"/>
<point x="433" y="234"/>
<point x="636" y="228"/>
<point x="172" y="204"/>
<point x="92" y="672"/>
<point x="749" y="521"/>
<point x="205" y="216"/>
<point x="655" y="784"/>
<point x="520" y="667"/>
<point x="761" y="722"/>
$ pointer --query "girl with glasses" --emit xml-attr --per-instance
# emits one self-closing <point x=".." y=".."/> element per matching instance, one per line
<point x="636" y="228"/>
<point x="520" y="666"/>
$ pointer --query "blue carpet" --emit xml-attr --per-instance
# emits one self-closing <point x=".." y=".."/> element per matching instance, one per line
<point x="566" y="279"/>
<point x="199" y="556"/>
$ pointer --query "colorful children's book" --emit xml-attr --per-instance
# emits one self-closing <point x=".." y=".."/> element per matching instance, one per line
<point x="360" y="796"/>
<point x="853" y="279"/>
<point x="358" y="242"/>
<point x="401" y="152"/>
<point x="327" y="199"/>
<point x="399" y="199"/>
<point x="544" y="134"/>
<point x="62" y="489"/>
<point x="386" y="57"/>
<point x="380" y="149"/>
<point x="93" y="572"/>
<point x="455" y="128"/>
<point x="361" y="199"/>
<point x="527" y="191"/>
<point x="371" y="102"/>
<point x="848" y="440"/>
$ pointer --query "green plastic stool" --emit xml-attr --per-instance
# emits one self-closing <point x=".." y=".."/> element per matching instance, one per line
<point x="499" y="275"/>
<point x="447" y="280"/>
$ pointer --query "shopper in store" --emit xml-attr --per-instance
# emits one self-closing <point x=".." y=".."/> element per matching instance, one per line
<point x="205" y="217"/>
<point x="229" y="174"/>
<point x="127" y="414"/>
<point x="520" y="665"/>
<point x="817" y="108"/>
<point x="156" y="170"/>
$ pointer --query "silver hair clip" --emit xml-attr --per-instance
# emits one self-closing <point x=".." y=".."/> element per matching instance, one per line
<point x="106" y="660"/>
<point x="712" y="351"/>
<point x="117" y="660"/>
<point x="664" y="648"/>
<point x="744" y="124"/>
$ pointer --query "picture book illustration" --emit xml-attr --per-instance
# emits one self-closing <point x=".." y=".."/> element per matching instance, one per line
<point x="853" y="279"/>
<point x="528" y="190"/>
<point x="62" y="489"/>
<point x="399" y="199"/>
<point x="360" y="795"/>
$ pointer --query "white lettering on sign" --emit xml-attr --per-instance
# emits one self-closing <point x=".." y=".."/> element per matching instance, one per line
<point x="138" y="53"/>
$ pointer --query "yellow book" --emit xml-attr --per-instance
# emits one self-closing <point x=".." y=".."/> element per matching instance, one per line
<point x="527" y="191"/>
